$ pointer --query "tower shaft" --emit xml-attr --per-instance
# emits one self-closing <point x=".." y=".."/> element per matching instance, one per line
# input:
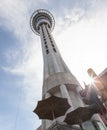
<point x="57" y="80"/>
<point x="55" y="70"/>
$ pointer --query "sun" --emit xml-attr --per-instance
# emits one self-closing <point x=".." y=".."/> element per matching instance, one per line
<point x="91" y="80"/>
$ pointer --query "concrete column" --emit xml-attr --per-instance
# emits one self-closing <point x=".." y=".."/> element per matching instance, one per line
<point x="65" y="94"/>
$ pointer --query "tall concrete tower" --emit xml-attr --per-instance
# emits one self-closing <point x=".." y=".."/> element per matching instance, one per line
<point x="58" y="80"/>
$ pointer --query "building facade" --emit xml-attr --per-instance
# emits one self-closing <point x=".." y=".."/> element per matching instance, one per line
<point x="103" y="77"/>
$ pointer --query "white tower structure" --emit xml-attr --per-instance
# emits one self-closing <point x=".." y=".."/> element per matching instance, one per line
<point x="58" y="80"/>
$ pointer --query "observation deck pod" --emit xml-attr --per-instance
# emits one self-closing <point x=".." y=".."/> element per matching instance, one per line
<point x="40" y="17"/>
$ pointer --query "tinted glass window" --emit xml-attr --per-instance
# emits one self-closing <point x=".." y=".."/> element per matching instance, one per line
<point x="88" y="126"/>
<point x="100" y="125"/>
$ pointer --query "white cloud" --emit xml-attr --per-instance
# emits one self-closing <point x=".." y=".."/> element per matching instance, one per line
<point x="85" y="44"/>
<point x="27" y="63"/>
<point x="26" y="58"/>
<point x="70" y="17"/>
<point x="14" y="16"/>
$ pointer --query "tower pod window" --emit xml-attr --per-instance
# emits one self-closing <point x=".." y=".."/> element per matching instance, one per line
<point x="53" y="45"/>
<point x="45" y="42"/>
<point x="54" y="49"/>
<point x="46" y="46"/>
<point x="47" y="51"/>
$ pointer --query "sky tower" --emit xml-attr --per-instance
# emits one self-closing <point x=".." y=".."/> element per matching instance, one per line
<point x="58" y="80"/>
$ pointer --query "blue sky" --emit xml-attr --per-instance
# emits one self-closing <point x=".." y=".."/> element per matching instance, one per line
<point x="81" y="35"/>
